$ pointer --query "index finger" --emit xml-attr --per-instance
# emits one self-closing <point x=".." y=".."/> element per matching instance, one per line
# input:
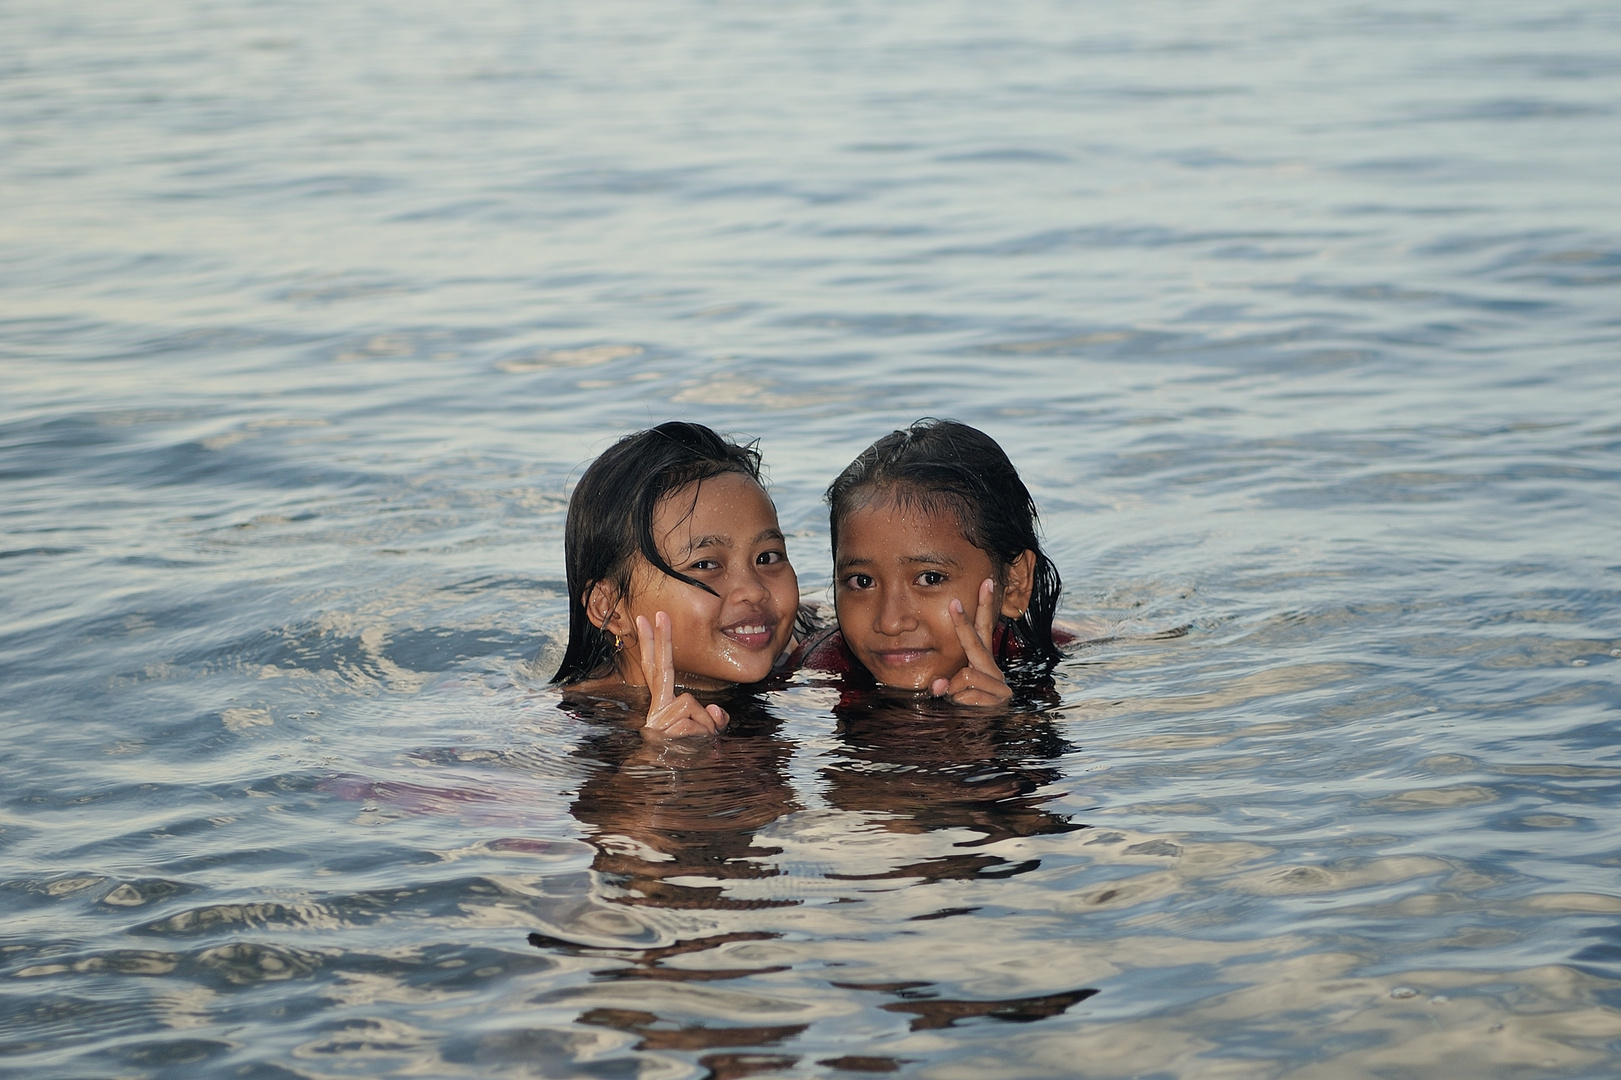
<point x="664" y="636"/>
<point x="648" y="646"/>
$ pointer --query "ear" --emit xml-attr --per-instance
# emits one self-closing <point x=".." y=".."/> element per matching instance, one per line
<point x="1020" y="582"/>
<point x="602" y="608"/>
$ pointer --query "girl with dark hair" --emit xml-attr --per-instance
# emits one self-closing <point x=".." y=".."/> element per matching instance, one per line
<point x="678" y="577"/>
<point x="940" y="583"/>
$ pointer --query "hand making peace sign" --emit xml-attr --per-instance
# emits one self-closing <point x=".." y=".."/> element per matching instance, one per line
<point x="981" y="681"/>
<point x="670" y="716"/>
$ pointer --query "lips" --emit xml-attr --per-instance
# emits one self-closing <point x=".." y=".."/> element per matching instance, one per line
<point x="899" y="658"/>
<point x="751" y="635"/>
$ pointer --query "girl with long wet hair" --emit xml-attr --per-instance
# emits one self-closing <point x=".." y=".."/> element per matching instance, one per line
<point x="678" y="576"/>
<point x="940" y="583"/>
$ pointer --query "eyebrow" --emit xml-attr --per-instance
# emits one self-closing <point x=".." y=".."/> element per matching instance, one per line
<point x="712" y="540"/>
<point x="723" y="540"/>
<point x="927" y="558"/>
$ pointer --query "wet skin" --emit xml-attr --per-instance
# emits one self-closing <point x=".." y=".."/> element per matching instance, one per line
<point x="917" y="603"/>
<point x="677" y="637"/>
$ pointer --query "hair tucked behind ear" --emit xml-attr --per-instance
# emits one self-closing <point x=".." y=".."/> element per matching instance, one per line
<point x="945" y="465"/>
<point x="610" y="522"/>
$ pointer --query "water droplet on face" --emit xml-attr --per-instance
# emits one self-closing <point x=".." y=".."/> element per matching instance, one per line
<point x="1439" y="999"/>
<point x="1578" y="663"/>
<point x="1403" y="992"/>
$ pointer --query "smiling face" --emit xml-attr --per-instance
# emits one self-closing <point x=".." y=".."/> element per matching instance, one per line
<point x="730" y="541"/>
<point x="897" y="570"/>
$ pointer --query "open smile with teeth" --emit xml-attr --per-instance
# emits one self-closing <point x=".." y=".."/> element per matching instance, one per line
<point x="750" y="635"/>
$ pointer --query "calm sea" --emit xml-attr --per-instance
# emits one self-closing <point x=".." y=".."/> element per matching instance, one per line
<point x="1302" y="321"/>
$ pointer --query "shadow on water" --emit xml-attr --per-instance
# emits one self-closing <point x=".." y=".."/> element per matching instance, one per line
<point x="680" y="827"/>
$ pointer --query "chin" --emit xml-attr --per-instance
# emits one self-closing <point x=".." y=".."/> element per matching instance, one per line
<point x="739" y="677"/>
<point x="906" y="680"/>
<point x="698" y="682"/>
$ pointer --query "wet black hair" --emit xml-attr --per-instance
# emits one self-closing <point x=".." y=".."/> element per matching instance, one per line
<point x="945" y="465"/>
<point x="610" y="522"/>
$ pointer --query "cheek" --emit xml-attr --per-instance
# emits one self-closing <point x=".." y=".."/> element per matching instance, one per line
<point x="944" y="632"/>
<point x="692" y="622"/>
<point x="785" y="593"/>
<point x="847" y="609"/>
<point x="787" y="614"/>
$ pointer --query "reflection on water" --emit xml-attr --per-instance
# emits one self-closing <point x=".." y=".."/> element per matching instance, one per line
<point x="659" y="812"/>
<point x="918" y="768"/>
<point x="1299" y="321"/>
<point x="681" y="827"/>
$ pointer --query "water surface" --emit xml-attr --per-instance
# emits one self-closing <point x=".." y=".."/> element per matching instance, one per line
<point x="1300" y="321"/>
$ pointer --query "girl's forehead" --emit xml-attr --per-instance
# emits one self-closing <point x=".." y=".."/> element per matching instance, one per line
<point x="920" y="509"/>
<point x="711" y="504"/>
<point x="896" y="528"/>
<point x="713" y="491"/>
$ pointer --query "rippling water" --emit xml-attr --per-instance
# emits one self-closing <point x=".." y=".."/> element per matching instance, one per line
<point x="1301" y="321"/>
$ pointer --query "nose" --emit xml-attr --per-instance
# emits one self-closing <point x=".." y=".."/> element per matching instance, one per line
<point x="747" y="586"/>
<point x="895" y="614"/>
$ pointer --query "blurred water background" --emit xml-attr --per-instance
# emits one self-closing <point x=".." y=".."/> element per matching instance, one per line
<point x="1301" y="321"/>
